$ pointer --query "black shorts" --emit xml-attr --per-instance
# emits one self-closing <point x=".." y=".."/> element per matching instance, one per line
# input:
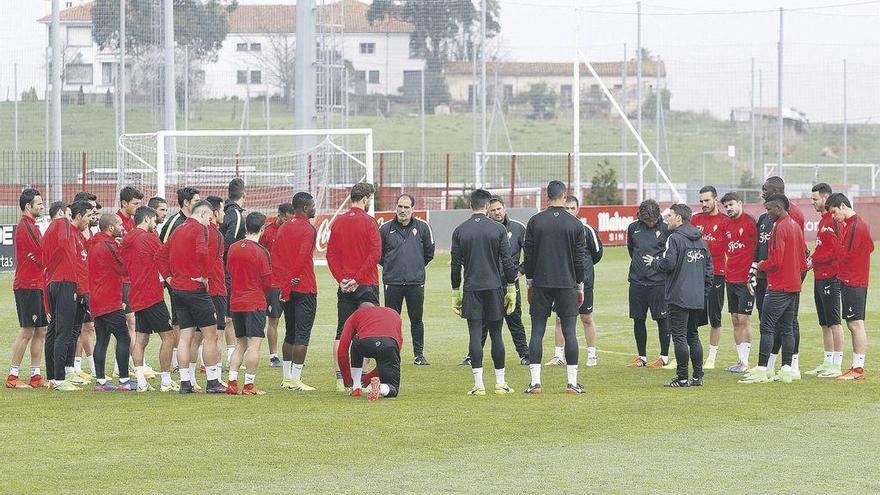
<point x="854" y="300"/>
<point x="486" y="305"/>
<point x="221" y="305"/>
<point x="173" y="309"/>
<point x="249" y="323"/>
<point x="152" y="319"/>
<point x="112" y="323"/>
<point x="125" y="306"/>
<point x="273" y="304"/>
<point x="348" y="302"/>
<point x="715" y="301"/>
<point x="30" y="308"/>
<point x="587" y="307"/>
<point x="87" y="312"/>
<point x="644" y="297"/>
<point x="739" y="300"/>
<point x="195" y="309"/>
<point x="826" y="294"/>
<point x="384" y="350"/>
<point x="299" y="318"/>
<point x="545" y="299"/>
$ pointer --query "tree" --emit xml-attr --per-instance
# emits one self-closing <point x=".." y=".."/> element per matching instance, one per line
<point x="604" y="190"/>
<point x="278" y="60"/>
<point x="542" y="99"/>
<point x="444" y="30"/>
<point x="649" y="105"/>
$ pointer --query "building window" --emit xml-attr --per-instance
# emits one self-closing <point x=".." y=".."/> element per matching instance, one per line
<point x="508" y="91"/>
<point x="256" y="77"/>
<point x="78" y="74"/>
<point x="415" y="50"/>
<point x="565" y="94"/>
<point x="256" y="47"/>
<point x="360" y="76"/>
<point x="79" y="36"/>
<point x="374" y="77"/>
<point x="241" y="77"/>
<point x="107" y="73"/>
<point x="241" y="47"/>
<point x="368" y="48"/>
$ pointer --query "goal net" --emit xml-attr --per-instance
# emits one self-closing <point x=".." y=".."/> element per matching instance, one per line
<point x="274" y="164"/>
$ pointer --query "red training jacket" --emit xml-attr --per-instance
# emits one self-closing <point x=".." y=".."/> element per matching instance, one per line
<point x="742" y="237"/>
<point x="82" y="244"/>
<point x="854" y="252"/>
<point x="827" y="240"/>
<point x="216" y="246"/>
<point x="29" y="255"/>
<point x="60" y="256"/>
<point x="139" y="249"/>
<point x="795" y="213"/>
<point x="250" y="272"/>
<point x="186" y="256"/>
<point x="127" y="222"/>
<point x="714" y="228"/>
<point x="355" y="248"/>
<point x="372" y="321"/>
<point x="786" y="257"/>
<point x="267" y="239"/>
<point x="106" y="272"/>
<point x="292" y="257"/>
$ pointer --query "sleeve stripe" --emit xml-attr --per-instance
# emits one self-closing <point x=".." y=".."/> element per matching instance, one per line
<point x="113" y="252"/>
<point x="237" y="223"/>
<point x="430" y="231"/>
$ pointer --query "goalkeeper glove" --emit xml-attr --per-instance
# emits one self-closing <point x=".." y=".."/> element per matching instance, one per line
<point x="456" y="301"/>
<point x="510" y="299"/>
<point x="753" y="277"/>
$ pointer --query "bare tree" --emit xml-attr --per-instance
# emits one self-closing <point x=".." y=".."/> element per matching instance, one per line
<point x="278" y="61"/>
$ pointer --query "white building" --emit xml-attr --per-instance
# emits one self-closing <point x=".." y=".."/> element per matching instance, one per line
<point x="257" y="55"/>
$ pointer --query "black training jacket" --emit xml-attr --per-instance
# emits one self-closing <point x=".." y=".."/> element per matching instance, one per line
<point x="516" y="234"/>
<point x="480" y="246"/>
<point x="170" y="224"/>
<point x="594" y="255"/>
<point x="688" y="263"/>
<point x="406" y="250"/>
<point x="765" y="226"/>
<point x="233" y="225"/>
<point x="642" y="240"/>
<point x="555" y="249"/>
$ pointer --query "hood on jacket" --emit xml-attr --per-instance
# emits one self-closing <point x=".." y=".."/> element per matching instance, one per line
<point x="688" y="231"/>
<point x="231" y="204"/>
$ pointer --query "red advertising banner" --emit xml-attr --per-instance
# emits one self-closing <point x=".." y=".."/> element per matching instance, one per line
<point x="323" y="222"/>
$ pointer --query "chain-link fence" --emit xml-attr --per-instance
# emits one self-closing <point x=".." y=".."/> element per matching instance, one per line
<point x="460" y="93"/>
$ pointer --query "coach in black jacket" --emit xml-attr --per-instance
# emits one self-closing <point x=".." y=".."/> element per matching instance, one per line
<point x="555" y="260"/>
<point x="407" y="248"/>
<point x="688" y="265"/>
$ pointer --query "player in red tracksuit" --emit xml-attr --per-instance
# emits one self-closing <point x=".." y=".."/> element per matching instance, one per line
<point x="293" y="272"/>
<point x="713" y="224"/>
<point x="353" y="253"/>
<point x="372" y="332"/>
<point x="130" y="200"/>
<point x="741" y="238"/>
<point x="784" y="266"/>
<point x="217" y="289"/>
<point x="147" y="297"/>
<point x="273" y="302"/>
<point x="250" y="275"/>
<point x="826" y="289"/>
<point x="64" y="258"/>
<point x="106" y="274"/>
<point x="186" y="263"/>
<point x="854" y="257"/>
<point x="28" y="290"/>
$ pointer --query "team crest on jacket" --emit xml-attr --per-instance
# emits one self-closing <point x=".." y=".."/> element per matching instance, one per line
<point x="657" y="233"/>
<point x="243" y="244"/>
<point x="555" y="213"/>
<point x="509" y="234"/>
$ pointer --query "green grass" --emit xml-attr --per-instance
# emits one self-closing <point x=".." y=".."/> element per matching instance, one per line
<point x="627" y="434"/>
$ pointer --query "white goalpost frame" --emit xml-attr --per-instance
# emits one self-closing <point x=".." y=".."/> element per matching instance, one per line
<point x="874" y="168"/>
<point x="160" y="136"/>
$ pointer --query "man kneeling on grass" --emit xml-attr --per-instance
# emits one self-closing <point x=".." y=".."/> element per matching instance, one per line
<point x="371" y="332"/>
<point x="250" y="281"/>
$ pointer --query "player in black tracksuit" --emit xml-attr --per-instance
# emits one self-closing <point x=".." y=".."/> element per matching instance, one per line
<point x="688" y="265"/>
<point x="480" y="246"/>
<point x="233" y="230"/>
<point x="406" y="251"/>
<point x="647" y="236"/>
<point x="555" y="260"/>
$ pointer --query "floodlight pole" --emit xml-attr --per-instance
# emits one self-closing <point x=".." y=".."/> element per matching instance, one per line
<point x="57" y="60"/>
<point x="640" y="194"/>
<point x="483" y="141"/>
<point x="120" y="96"/>
<point x="845" y="131"/>
<point x="780" y="127"/>
<point x="576" y="110"/>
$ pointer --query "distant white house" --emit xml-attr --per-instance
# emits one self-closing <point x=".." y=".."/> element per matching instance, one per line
<point x="260" y="42"/>
<point x="514" y="78"/>
<point x="791" y="117"/>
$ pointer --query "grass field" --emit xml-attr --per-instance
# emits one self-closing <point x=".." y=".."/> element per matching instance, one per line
<point x="627" y="434"/>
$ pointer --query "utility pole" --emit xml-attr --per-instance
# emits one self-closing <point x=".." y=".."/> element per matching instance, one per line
<point x="57" y="60"/>
<point x="576" y="110"/>
<point x="120" y="97"/>
<point x="752" y="116"/>
<point x="170" y="112"/>
<point x="483" y="141"/>
<point x="780" y="138"/>
<point x="623" y="130"/>
<point x="845" y="132"/>
<point x="640" y="194"/>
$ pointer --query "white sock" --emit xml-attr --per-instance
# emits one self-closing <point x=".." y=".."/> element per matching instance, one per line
<point x="665" y="360"/>
<point x="762" y="368"/>
<point x="858" y="360"/>
<point x="499" y="377"/>
<point x="837" y="358"/>
<point x="201" y="357"/>
<point x="101" y="381"/>
<point x="185" y="375"/>
<point x="644" y="358"/>
<point x="35" y="371"/>
<point x="166" y="378"/>
<point x="771" y="363"/>
<point x="13" y="370"/>
<point x="739" y="352"/>
<point x="192" y="372"/>
<point x="572" y="370"/>
<point x="296" y="371"/>
<point x="591" y="352"/>
<point x="212" y="373"/>
<point x="535" y="372"/>
<point x="91" y="363"/>
<point x="384" y="390"/>
<point x="139" y="371"/>
<point x="285" y="369"/>
<point x="123" y="380"/>
<point x="229" y="350"/>
<point x="174" y="363"/>
<point x="249" y="378"/>
<point x="785" y="367"/>
<point x="273" y="356"/>
<point x="478" y="377"/>
<point x="795" y="363"/>
<point x="559" y="352"/>
<point x="747" y="349"/>
<point x="233" y="375"/>
<point x="829" y="357"/>
<point x="68" y="369"/>
<point x="356" y="374"/>
<point x="713" y="351"/>
<point x="77" y="364"/>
